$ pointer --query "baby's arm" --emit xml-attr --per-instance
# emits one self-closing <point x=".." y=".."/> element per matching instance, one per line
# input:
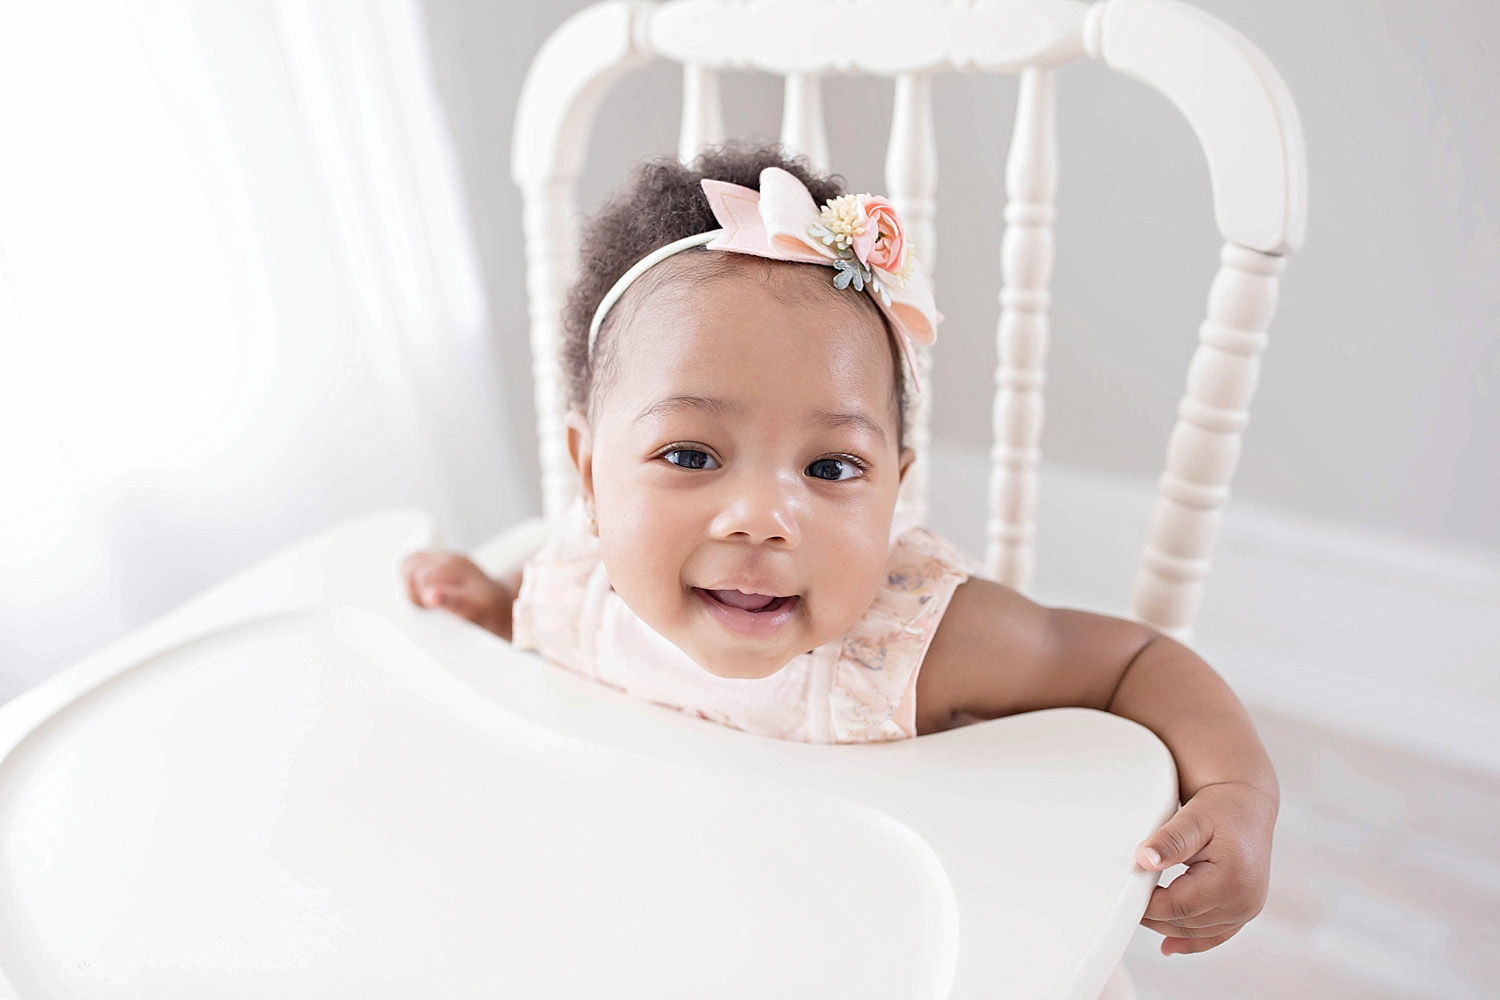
<point x="452" y="582"/>
<point x="997" y="653"/>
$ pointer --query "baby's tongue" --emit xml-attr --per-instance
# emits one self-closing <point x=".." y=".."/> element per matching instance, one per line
<point x="745" y="602"/>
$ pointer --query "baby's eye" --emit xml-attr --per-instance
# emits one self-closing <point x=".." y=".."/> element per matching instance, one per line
<point x="833" y="469"/>
<point x="690" y="458"/>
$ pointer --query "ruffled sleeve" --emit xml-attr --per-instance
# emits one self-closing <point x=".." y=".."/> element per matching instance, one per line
<point x="873" y="692"/>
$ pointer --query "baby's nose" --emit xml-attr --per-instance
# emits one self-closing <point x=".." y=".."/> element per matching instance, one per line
<point x="764" y="511"/>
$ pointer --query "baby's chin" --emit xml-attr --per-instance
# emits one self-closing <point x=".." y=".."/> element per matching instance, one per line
<point x="725" y="655"/>
<point x="742" y="667"/>
<point x="734" y="659"/>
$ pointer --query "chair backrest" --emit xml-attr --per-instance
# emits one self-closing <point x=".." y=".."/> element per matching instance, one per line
<point x="1237" y="105"/>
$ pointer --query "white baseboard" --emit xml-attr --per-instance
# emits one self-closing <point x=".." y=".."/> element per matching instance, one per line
<point x="1373" y="633"/>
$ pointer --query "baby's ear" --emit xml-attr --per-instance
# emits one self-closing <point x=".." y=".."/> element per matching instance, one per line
<point x="581" y="448"/>
<point x="907" y="457"/>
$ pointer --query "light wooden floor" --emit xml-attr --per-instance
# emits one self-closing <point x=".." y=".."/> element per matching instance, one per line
<point x="1385" y="884"/>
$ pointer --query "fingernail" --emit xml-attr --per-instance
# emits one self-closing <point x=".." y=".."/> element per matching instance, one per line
<point x="1153" y="859"/>
<point x="434" y="596"/>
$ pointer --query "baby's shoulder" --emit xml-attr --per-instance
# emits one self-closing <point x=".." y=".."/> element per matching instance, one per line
<point x="988" y="647"/>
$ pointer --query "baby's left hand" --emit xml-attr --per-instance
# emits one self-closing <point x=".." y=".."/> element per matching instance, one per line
<point x="1223" y="835"/>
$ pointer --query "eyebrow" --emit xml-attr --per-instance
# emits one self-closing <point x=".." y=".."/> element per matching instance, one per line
<point x="676" y="404"/>
<point x="856" y="420"/>
<point x="723" y="408"/>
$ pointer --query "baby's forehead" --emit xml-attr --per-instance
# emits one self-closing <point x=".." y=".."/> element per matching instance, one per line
<point x="720" y="287"/>
<point x="774" y="326"/>
<point x="702" y="272"/>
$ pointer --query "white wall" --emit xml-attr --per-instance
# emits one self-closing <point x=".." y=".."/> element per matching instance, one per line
<point x="1380" y="396"/>
<point x="238" y="305"/>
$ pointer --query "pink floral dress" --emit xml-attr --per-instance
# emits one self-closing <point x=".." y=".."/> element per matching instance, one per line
<point x="859" y="688"/>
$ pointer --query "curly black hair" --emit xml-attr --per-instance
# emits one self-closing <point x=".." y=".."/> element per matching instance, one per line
<point x="664" y="202"/>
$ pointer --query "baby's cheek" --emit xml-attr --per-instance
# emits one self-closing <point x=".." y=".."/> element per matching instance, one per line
<point x="632" y="575"/>
<point x="853" y="579"/>
<point x="648" y="578"/>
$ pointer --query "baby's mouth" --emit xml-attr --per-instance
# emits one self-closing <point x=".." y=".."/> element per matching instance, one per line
<point x="753" y="616"/>
<point x="753" y="603"/>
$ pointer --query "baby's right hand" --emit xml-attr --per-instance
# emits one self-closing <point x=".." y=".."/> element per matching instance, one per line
<point x="452" y="582"/>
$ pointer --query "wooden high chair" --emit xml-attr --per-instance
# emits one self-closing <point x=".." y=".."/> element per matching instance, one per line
<point x="300" y="785"/>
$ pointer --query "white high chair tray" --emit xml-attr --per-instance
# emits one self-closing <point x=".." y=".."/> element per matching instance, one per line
<point x="299" y="785"/>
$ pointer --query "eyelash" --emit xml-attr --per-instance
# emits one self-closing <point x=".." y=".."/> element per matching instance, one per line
<point x="858" y="463"/>
<point x="673" y="449"/>
<point x="670" y="449"/>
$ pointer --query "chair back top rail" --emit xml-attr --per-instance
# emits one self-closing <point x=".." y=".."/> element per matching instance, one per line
<point x="1236" y="103"/>
<point x="880" y="37"/>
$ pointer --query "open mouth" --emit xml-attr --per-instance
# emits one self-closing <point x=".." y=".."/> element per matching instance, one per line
<point x="749" y="614"/>
<point x="756" y="604"/>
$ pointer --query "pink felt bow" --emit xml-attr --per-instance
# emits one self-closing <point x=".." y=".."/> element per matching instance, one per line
<point x="778" y="222"/>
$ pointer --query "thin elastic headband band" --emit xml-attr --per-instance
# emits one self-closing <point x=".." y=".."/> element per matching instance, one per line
<point x="640" y="267"/>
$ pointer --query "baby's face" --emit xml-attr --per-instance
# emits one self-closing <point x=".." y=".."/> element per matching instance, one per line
<point x="743" y="464"/>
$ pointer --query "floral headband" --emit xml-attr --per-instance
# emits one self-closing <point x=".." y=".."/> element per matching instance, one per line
<point x="858" y="235"/>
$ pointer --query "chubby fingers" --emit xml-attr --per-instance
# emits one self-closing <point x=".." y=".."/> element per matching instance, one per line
<point x="427" y="583"/>
<point x="1192" y="900"/>
<point x="1202" y="908"/>
<point x="1189" y="913"/>
<point x="1223" y="835"/>
<point x="452" y="583"/>
<point x="462" y="597"/>
<point x="1192" y="944"/>
<point x="1206" y="932"/>
<point x="1177" y="842"/>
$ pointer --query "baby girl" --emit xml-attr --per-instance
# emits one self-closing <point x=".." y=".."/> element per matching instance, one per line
<point x="739" y="345"/>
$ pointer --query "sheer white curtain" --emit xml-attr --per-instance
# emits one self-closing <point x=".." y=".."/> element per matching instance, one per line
<point x="238" y="303"/>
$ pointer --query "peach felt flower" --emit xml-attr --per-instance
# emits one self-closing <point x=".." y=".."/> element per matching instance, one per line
<point x="882" y="243"/>
<point x="863" y="233"/>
